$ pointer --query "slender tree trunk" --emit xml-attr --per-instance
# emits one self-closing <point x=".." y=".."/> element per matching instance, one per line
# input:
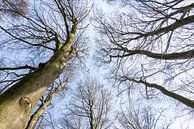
<point x="36" y="115"/>
<point x="17" y="103"/>
<point x="92" y="126"/>
<point x="40" y="124"/>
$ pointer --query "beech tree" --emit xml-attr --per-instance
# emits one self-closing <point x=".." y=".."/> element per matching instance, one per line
<point x="145" y="118"/>
<point x="150" y="43"/>
<point x="88" y="108"/>
<point x="48" y="40"/>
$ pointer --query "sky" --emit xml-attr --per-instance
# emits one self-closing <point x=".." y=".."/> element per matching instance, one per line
<point x="101" y="73"/>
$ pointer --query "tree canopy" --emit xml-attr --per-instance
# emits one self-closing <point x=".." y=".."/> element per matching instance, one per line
<point x="130" y="67"/>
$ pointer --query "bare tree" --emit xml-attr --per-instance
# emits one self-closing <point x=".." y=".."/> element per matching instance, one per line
<point x="141" y="119"/>
<point x="48" y="40"/>
<point x="151" y="44"/>
<point x="14" y="7"/>
<point x="89" y="107"/>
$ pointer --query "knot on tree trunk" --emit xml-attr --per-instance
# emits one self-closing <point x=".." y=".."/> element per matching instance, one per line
<point x="25" y="104"/>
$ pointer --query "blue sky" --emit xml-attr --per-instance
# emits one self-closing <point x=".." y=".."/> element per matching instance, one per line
<point x="101" y="73"/>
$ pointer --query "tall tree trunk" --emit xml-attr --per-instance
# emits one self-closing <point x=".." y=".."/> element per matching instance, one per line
<point x="17" y="103"/>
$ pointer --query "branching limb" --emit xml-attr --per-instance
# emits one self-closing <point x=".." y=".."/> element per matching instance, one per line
<point x="19" y="68"/>
<point x="171" y="94"/>
<point x="172" y="56"/>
